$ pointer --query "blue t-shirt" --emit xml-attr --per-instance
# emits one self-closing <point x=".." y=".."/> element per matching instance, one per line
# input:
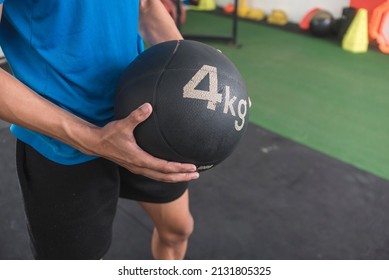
<point x="72" y="53"/>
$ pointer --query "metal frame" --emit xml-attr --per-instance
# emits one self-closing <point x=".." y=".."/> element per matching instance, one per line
<point x="226" y="39"/>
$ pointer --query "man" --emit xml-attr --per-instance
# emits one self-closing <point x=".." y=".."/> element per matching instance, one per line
<point x="73" y="160"/>
<point x="171" y="7"/>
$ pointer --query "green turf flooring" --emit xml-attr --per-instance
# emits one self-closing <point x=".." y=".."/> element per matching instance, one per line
<point x="310" y="90"/>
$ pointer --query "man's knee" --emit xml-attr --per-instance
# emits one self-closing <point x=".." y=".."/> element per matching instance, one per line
<point x="178" y="232"/>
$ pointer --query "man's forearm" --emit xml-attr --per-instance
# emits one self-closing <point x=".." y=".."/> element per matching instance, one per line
<point x="22" y="106"/>
<point x="155" y="23"/>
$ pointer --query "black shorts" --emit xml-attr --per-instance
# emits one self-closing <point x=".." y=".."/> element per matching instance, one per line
<point x="70" y="208"/>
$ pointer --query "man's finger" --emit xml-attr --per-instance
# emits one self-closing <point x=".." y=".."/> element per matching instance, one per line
<point x="163" y="177"/>
<point x="139" y="115"/>
<point x="145" y="160"/>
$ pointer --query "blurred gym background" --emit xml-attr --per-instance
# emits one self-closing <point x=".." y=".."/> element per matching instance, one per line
<point x="310" y="179"/>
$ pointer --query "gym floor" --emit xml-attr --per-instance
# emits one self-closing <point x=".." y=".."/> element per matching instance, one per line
<point x="309" y="180"/>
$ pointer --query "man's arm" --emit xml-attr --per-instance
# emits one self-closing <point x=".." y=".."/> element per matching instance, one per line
<point x="22" y="106"/>
<point x="155" y="23"/>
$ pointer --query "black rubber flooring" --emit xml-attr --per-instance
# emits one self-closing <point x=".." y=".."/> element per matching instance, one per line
<point x="272" y="199"/>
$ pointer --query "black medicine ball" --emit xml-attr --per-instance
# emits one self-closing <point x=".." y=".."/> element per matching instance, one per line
<point x="321" y="23"/>
<point x="200" y="102"/>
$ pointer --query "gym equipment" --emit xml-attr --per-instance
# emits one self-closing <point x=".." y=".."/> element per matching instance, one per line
<point x="229" y="9"/>
<point x="348" y="15"/>
<point x="379" y="26"/>
<point x="256" y="14"/>
<point x="200" y="102"/>
<point x="321" y="23"/>
<point x="356" y="39"/>
<point x="244" y="11"/>
<point x="304" y="23"/>
<point x="277" y="17"/>
<point x="243" y="8"/>
<point x="203" y="5"/>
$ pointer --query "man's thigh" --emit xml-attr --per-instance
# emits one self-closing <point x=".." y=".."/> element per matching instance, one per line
<point x="70" y="208"/>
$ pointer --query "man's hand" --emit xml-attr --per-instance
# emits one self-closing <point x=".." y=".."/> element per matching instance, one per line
<point x="117" y="143"/>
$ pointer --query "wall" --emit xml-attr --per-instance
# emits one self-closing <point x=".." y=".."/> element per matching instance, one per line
<point x="295" y="9"/>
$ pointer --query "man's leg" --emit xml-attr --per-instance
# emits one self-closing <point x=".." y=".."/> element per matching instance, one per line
<point x="70" y="208"/>
<point x="173" y="226"/>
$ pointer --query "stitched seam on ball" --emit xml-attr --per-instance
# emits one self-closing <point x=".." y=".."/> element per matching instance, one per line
<point x="155" y="117"/>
